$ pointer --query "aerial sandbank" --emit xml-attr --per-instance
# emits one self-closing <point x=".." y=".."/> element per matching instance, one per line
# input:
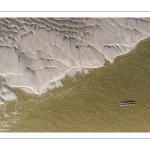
<point x="36" y="53"/>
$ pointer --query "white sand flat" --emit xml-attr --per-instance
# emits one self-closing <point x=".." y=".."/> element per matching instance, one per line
<point x="36" y="53"/>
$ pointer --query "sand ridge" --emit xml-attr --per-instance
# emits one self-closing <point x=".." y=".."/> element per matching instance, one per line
<point x="36" y="53"/>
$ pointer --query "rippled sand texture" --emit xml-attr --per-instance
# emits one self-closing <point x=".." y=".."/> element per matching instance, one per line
<point x="37" y="52"/>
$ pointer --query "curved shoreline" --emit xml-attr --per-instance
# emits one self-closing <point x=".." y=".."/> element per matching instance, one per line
<point x="29" y="89"/>
<point x="90" y="102"/>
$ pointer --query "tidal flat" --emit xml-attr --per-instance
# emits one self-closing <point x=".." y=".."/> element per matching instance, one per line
<point x="88" y="102"/>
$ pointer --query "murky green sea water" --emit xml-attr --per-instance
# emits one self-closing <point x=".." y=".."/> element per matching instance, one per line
<point x="88" y="102"/>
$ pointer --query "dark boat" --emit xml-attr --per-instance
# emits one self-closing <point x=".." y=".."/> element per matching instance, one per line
<point x="127" y="103"/>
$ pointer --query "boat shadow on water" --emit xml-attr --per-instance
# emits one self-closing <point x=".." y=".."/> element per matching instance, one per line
<point x="127" y="103"/>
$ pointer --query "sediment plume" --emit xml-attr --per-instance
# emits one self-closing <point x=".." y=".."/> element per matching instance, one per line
<point x="36" y="53"/>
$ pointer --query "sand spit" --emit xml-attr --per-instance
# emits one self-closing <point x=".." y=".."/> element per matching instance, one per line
<point x="36" y="53"/>
<point x="6" y="95"/>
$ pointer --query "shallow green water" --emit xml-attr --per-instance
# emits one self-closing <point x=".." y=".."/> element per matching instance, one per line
<point x="89" y="102"/>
